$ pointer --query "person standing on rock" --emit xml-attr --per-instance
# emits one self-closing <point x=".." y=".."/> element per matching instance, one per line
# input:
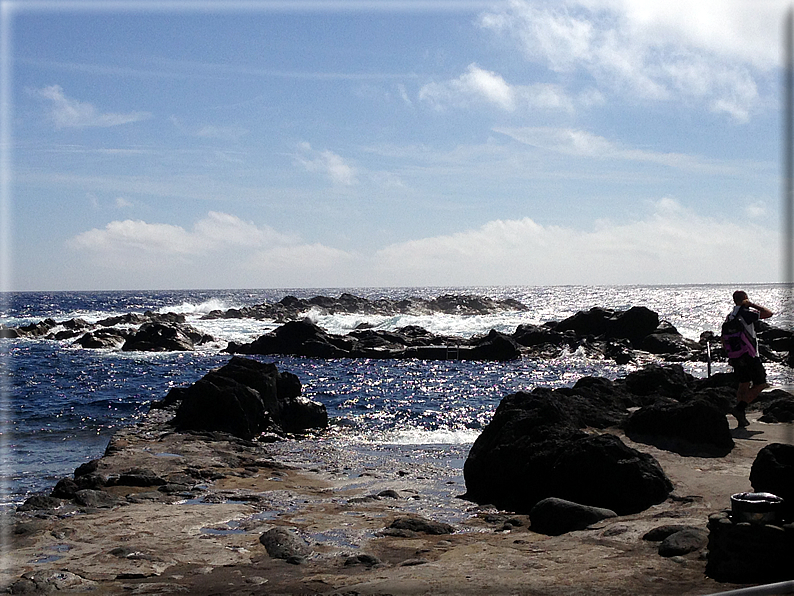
<point x="748" y="367"/>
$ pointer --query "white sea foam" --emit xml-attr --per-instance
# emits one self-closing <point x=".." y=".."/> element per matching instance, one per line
<point x="188" y="308"/>
<point x="420" y="436"/>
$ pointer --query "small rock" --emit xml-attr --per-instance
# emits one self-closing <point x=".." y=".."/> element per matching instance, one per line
<point x="554" y="516"/>
<point x="421" y="525"/>
<point x="683" y="542"/>
<point x="282" y="543"/>
<point x="661" y="532"/>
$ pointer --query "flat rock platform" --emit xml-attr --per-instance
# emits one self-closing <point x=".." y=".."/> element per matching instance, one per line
<point x="204" y="539"/>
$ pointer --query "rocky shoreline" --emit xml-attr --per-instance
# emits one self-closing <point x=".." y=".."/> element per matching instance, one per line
<point x="191" y="508"/>
<point x="347" y="507"/>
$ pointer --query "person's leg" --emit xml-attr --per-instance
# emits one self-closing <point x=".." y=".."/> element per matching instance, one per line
<point x="742" y="399"/>
<point x="758" y="378"/>
<point x="743" y="393"/>
<point x="755" y="390"/>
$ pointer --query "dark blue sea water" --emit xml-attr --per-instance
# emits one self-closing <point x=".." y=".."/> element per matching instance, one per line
<point x="60" y="403"/>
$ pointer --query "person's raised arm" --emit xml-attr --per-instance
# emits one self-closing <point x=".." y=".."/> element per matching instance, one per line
<point x="763" y="312"/>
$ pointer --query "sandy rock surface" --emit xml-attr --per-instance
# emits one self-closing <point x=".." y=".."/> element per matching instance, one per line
<point x="204" y="538"/>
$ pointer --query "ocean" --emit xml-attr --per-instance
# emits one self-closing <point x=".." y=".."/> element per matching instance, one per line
<point x="61" y="403"/>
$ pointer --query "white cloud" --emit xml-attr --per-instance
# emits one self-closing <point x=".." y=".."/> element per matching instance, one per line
<point x="672" y="245"/>
<point x="478" y="86"/>
<point x="756" y="209"/>
<point x="580" y="143"/>
<point x="328" y="163"/>
<point x="122" y="203"/>
<point x="711" y="51"/>
<point x="216" y="232"/>
<point x="70" y="113"/>
<point x="220" y="251"/>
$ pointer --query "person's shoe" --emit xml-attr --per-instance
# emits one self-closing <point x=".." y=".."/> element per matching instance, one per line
<point x="740" y="417"/>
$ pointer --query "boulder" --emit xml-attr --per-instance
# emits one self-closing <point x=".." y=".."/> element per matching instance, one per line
<point x="533" y="449"/>
<point x="37" y="329"/>
<point x="106" y="338"/>
<point x="421" y="525"/>
<point x="779" y="410"/>
<point x="281" y="543"/>
<point x="683" y="542"/>
<point x="603" y="471"/>
<point x="164" y="337"/>
<point x="65" y="489"/>
<point x="494" y="346"/>
<point x="633" y="324"/>
<point x="40" y="502"/>
<point x="299" y="338"/>
<point x="510" y="463"/>
<point x="555" y="516"/>
<point x="246" y="398"/>
<point x="654" y="379"/>
<point x="537" y="335"/>
<point x="593" y="322"/>
<point x="659" y="533"/>
<point x="694" y="428"/>
<point x="773" y="472"/>
<point x="88" y="497"/>
<point x="667" y="341"/>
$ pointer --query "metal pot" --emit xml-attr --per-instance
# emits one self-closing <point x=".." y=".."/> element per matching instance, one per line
<point x="756" y="508"/>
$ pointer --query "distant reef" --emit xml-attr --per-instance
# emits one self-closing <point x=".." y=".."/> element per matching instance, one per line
<point x="290" y="307"/>
<point x="633" y="335"/>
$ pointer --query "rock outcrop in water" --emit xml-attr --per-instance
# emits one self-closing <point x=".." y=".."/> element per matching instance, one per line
<point x="291" y="308"/>
<point x="245" y="398"/>
<point x="304" y="338"/>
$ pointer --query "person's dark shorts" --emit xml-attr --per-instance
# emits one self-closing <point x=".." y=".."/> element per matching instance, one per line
<point x="749" y="369"/>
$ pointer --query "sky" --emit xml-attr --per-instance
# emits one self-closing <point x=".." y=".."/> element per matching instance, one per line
<point x="342" y="143"/>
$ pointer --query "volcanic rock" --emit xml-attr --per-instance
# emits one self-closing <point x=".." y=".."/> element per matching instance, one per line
<point x="555" y="516"/>
<point x="773" y="472"/>
<point x="533" y="449"/>
<point x="694" y="428"/>
<point x="246" y="398"/>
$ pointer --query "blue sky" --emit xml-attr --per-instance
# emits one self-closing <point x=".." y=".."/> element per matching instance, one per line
<point x="342" y="143"/>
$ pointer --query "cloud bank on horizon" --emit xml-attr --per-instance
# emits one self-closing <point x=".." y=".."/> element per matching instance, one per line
<point x="509" y="143"/>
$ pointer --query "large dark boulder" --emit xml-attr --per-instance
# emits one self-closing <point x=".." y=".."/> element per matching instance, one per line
<point x="495" y="346"/>
<point x="105" y="338"/>
<point x="633" y="324"/>
<point x="299" y="338"/>
<point x="592" y="322"/>
<point x="693" y="428"/>
<point x="533" y="449"/>
<point x="511" y="461"/>
<point x="164" y="337"/>
<point x="603" y="471"/>
<point x="656" y="380"/>
<point x="282" y="543"/>
<point x="773" y="472"/>
<point x="538" y="335"/>
<point x="246" y="398"/>
<point x="667" y="340"/>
